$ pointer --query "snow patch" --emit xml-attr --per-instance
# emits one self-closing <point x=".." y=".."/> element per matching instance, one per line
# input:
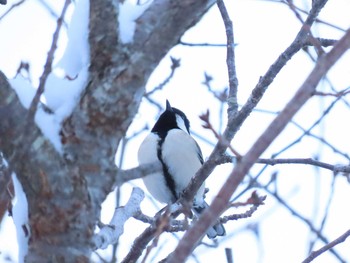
<point x="129" y="11"/>
<point x="20" y="218"/>
<point x="66" y="81"/>
<point x="24" y="90"/>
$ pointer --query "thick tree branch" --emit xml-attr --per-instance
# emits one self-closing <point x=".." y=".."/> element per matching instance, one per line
<point x="137" y="172"/>
<point x="43" y="175"/>
<point x="65" y="192"/>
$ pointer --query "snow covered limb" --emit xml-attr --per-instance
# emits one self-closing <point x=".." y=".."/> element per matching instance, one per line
<point x="110" y="233"/>
<point x="65" y="189"/>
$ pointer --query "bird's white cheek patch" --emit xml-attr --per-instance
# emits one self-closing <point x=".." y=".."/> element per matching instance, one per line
<point x="181" y="123"/>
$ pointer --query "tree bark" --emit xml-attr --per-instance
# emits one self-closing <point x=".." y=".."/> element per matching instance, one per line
<point x="65" y="192"/>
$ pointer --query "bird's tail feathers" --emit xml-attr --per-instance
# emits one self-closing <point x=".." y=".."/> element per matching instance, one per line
<point x="215" y="230"/>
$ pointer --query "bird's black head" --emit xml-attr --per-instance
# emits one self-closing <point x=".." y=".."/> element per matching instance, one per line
<point x="171" y="118"/>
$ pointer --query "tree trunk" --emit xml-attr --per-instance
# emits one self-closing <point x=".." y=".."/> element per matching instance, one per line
<point x="65" y="192"/>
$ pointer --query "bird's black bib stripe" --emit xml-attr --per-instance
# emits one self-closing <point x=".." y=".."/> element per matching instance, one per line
<point x="170" y="183"/>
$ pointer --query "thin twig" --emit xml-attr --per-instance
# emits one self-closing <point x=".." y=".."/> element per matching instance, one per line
<point x="305" y="12"/>
<point x="139" y="244"/>
<point x="50" y="10"/>
<point x="12" y="7"/>
<point x="337" y="94"/>
<point x="325" y="112"/>
<point x="207" y="125"/>
<point x="326" y="211"/>
<point x="48" y="65"/>
<point x="329" y="246"/>
<point x="175" y="63"/>
<point x="230" y="60"/>
<point x="202" y="44"/>
<point x="221" y="96"/>
<point x="192" y="236"/>
<point x="303" y="219"/>
<point x="275" y="161"/>
<point x="235" y="122"/>
<point x="254" y="200"/>
<point x="324" y="42"/>
<point x="312" y="39"/>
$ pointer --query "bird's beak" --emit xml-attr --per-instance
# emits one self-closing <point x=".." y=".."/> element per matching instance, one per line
<point x="168" y="106"/>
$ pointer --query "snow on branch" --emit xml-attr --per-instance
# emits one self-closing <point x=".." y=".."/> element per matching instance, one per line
<point x="60" y="85"/>
<point x="48" y="65"/>
<point x="110" y="233"/>
<point x="128" y="14"/>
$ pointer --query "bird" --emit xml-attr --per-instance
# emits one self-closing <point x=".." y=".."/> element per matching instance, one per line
<point x="170" y="143"/>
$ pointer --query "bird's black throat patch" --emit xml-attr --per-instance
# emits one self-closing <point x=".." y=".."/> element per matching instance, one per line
<point x="170" y="183"/>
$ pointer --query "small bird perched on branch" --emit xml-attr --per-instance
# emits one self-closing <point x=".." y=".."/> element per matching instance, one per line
<point x="171" y="144"/>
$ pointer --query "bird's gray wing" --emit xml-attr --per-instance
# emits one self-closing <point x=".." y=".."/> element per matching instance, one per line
<point x="199" y="152"/>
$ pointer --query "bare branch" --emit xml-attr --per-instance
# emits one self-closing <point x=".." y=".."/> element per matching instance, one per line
<point x="230" y="60"/>
<point x="175" y="63"/>
<point x="207" y="125"/>
<point x="12" y="7"/>
<point x="235" y="122"/>
<point x="50" y="10"/>
<point x="220" y="95"/>
<point x="320" y="41"/>
<point x="309" y="161"/>
<point x="202" y="44"/>
<point x="326" y="211"/>
<point x="140" y="244"/>
<point x="137" y="172"/>
<point x="48" y="65"/>
<point x="289" y="3"/>
<point x="330" y="245"/>
<point x="305" y="220"/>
<point x="254" y="200"/>
<point x="312" y="126"/>
<point x="229" y="256"/>
<point x="338" y="94"/>
<point x="191" y="237"/>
